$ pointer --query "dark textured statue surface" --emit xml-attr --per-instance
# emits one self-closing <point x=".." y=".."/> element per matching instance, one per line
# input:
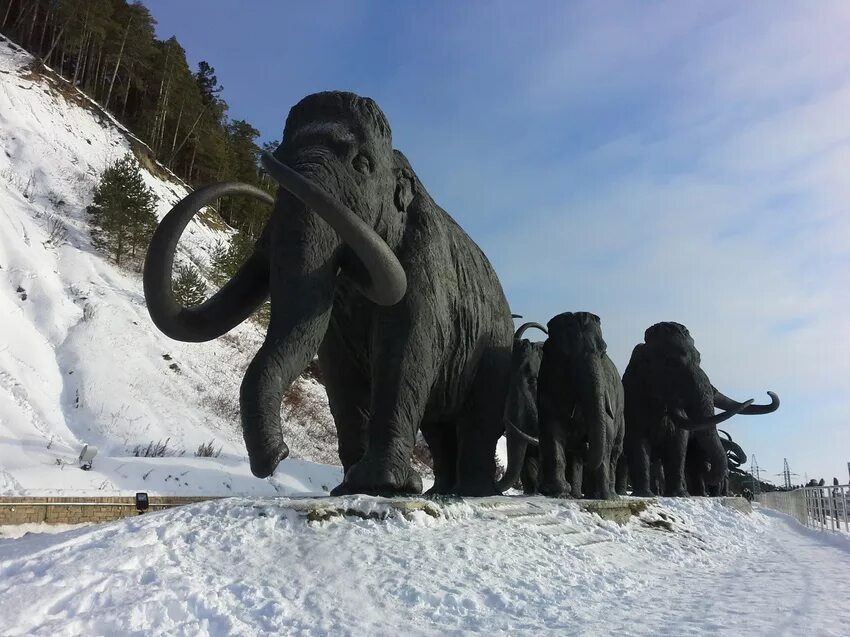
<point x="580" y="403"/>
<point x="698" y="466"/>
<point x="521" y="427"/>
<point x="670" y="405"/>
<point x="409" y="320"/>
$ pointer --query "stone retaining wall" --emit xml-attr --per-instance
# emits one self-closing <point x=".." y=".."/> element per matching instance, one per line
<point x="76" y="510"/>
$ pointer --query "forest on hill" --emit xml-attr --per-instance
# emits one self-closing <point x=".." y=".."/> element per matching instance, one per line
<point x="108" y="49"/>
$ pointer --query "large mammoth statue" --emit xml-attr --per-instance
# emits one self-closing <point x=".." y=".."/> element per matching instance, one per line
<point x="521" y="428"/>
<point x="409" y="320"/>
<point x="670" y="404"/>
<point x="580" y="401"/>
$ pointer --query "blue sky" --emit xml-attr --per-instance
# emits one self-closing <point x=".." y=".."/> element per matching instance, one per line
<point x="646" y="161"/>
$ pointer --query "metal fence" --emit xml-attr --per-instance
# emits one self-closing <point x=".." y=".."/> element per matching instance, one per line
<point x="824" y="508"/>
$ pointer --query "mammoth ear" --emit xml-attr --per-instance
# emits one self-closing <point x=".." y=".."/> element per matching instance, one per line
<point x="403" y="189"/>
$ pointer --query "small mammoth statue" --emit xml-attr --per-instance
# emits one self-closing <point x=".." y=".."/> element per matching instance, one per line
<point x="670" y="405"/>
<point x="580" y="402"/>
<point x="521" y="427"/>
<point x="698" y="466"/>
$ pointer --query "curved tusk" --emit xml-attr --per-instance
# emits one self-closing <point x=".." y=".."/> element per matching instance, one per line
<point x="387" y="282"/>
<point x="528" y="438"/>
<point x="525" y="326"/>
<point x="683" y="422"/>
<point x="724" y="402"/>
<point x="734" y="453"/>
<point x="228" y="307"/>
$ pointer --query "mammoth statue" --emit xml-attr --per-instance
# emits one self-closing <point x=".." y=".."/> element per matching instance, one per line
<point x="670" y="407"/>
<point x="580" y="400"/>
<point x="735" y="456"/>
<point x="697" y="466"/>
<point x="409" y="320"/>
<point x="521" y="428"/>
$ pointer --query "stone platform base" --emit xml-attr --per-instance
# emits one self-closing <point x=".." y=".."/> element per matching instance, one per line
<point x="71" y="510"/>
<point x="496" y="507"/>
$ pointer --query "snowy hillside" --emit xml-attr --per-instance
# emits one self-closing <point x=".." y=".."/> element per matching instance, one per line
<point x="256" y="567"/>
<point x="80" y="361"/>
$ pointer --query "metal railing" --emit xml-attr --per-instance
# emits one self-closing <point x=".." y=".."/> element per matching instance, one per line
<point x="826" y="508"/>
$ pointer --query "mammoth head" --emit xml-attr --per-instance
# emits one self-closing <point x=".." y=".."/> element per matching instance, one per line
<point x="673" y="359"/>
<point x="577" y="334"/>
<point x="336" y="160"/>
<point x="670" y="363"/>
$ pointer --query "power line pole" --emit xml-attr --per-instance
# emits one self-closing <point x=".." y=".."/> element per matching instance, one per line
<point x="786" y="475"/>
<point x="756" y="477"/>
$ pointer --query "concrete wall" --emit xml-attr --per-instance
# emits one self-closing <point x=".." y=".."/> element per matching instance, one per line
<point x="76" y="510"/>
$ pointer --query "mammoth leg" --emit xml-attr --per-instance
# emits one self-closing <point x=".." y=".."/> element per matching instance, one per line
<point x="482" y="425"/>
<point x="695" y="469"/>
<point x="656" y="476"/>
<point x="637" y="454"/>
<point x="553" y="466"/>
<point x="476" y="464"/>
<point x="622" y="471"/>
<point x="401" y="379"/>
<point x="673" y="459"/>
<point x="348" y="397"/>
<point x="442" y="441"/>
<point x="530" y="475"/>
<point x="614" y="461"/>
<point x="575" y="476"/>
<point x="602" y="488"/>
<point x="581" y="481"/>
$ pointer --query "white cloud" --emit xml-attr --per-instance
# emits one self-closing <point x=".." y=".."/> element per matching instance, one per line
<point x="730" y="213"/>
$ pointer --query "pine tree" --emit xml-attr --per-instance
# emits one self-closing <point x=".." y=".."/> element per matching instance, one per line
<point x="189" y="286"/>
<point x="227" y="258"/>
<point x="123" y="210"/>
<point x="109" y="49"/>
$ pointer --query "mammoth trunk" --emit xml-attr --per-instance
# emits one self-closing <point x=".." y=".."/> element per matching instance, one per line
<point x="596" y="408"/>
<point x="302" y="283"/>
<point x="700" y="410"/>
<point x="716" y="454"/>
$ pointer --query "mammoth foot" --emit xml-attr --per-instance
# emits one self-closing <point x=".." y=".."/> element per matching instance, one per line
<point x="611" y="495"/>
<point x="441" y="487"/>
<point x="642" y="493"/>
<point x="556" y="489"/>
<point x="265" y="459"/>
<point x="475" y="489"/>
<point x="372" y="478"/>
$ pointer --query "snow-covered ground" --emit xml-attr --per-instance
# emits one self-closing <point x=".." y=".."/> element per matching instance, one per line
<point x="256" y="567"/>
<point x="80" y="361"/>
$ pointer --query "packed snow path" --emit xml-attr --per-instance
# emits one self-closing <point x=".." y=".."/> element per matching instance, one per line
<point x="249" y="567"/>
